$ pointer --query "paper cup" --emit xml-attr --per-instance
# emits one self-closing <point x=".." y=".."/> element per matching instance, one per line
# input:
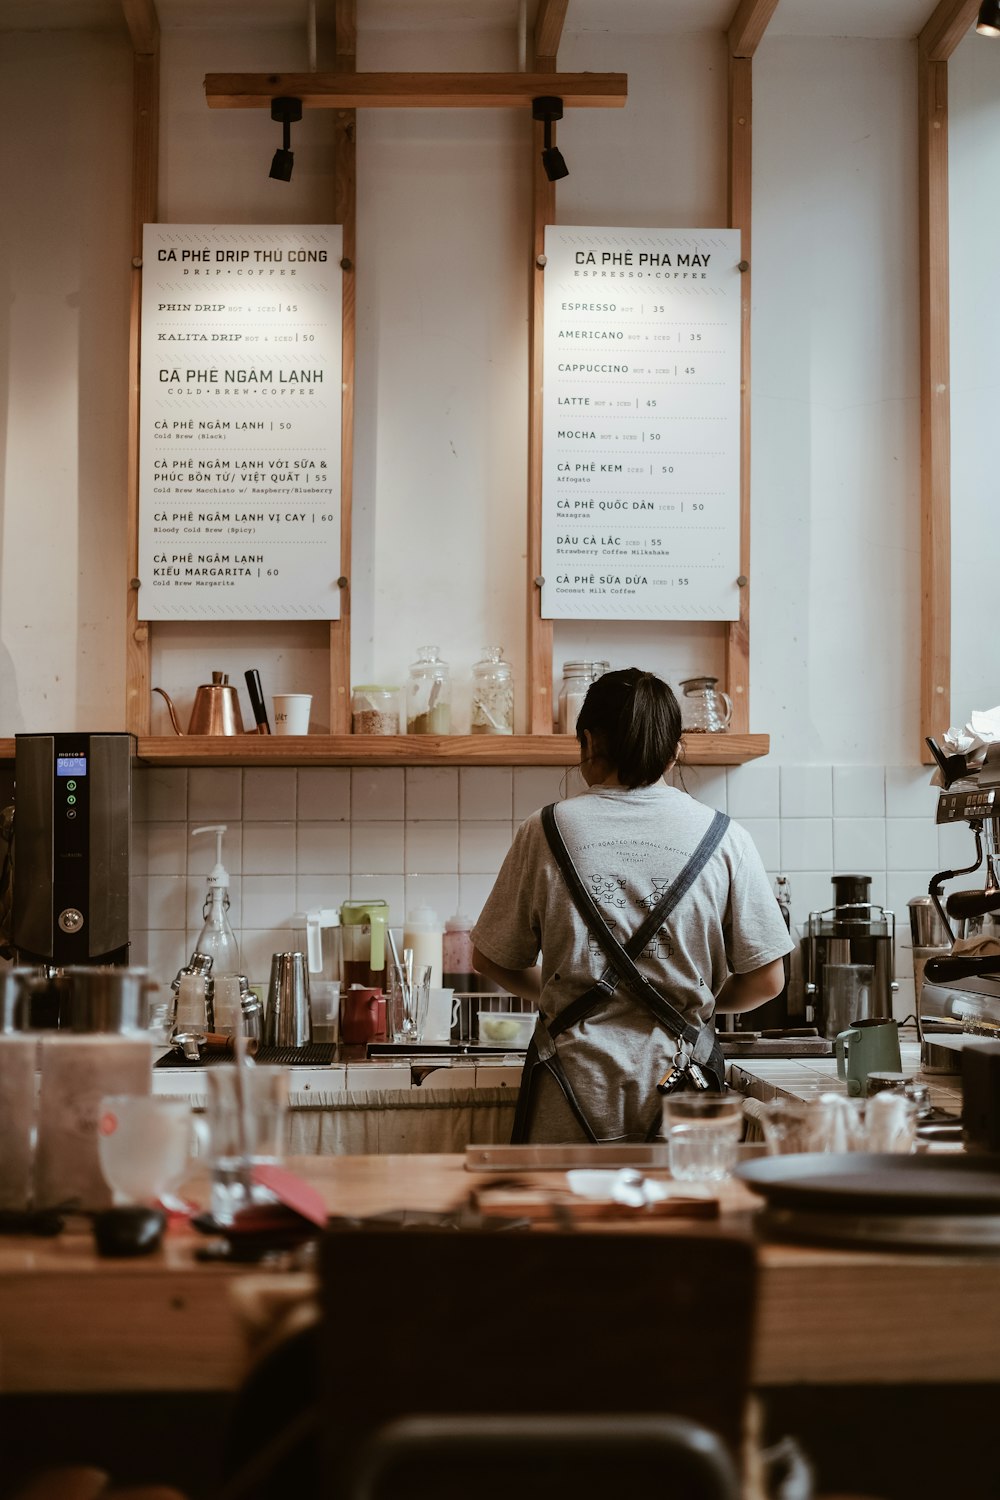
<point x="291" y="713"/>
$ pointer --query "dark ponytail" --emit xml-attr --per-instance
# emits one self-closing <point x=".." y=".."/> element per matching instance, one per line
<point x="635" y="722"/>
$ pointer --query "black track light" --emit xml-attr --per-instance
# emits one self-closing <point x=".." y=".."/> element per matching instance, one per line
<point x="288" y="111"/>
<point x="548" y="109"/>
<point x="989" y="18"/>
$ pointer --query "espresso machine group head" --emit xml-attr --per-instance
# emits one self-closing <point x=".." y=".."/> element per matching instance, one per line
<point x="72" y="835"/>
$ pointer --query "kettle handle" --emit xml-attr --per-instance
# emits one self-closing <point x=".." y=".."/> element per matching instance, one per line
<point x="170" y="709"/>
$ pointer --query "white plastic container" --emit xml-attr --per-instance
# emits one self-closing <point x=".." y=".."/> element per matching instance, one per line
<point x="510" y="1029"/>
<point x="423" y="931"/>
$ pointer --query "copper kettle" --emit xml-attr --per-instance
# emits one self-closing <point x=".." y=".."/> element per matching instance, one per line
<point x="216" y="708"/>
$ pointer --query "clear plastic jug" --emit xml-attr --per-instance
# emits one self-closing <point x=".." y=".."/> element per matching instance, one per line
<point x="363" y="929"/>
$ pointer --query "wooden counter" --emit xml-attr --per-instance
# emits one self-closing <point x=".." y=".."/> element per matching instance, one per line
<point x="72" y="1322"/>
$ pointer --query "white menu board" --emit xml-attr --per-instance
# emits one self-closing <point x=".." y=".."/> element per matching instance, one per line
<point x="641" y="424"/>
<point x="239" y="440"/>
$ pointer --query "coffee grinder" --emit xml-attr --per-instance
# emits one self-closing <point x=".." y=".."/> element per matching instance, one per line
<point x="72" y="833"/>
<point x="852" y="931"/>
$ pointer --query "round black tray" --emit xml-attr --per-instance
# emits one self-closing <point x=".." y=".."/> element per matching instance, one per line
<point x="876" y="1184"/>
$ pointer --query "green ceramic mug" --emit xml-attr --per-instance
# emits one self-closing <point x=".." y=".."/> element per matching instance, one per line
<point x="869" y="1046"/>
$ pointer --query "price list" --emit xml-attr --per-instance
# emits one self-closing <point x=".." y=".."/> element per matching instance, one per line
<point x="641" y="424"/>
<point x="240" y="426"/>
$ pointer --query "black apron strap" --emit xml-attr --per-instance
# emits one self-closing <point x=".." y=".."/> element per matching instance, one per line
<point x="620" y="956"/>
<point x="533" y="1064"/>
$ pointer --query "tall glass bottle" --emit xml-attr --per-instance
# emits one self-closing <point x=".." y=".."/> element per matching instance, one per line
<point x="217" y="942"/>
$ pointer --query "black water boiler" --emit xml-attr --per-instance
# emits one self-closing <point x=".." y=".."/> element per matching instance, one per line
<point x="72" y="835"/>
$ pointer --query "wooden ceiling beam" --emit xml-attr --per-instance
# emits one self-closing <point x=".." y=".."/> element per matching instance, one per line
<point x="415" y="90"/>
<point x="950" y="21"/>
<point x="345" y="32"/>
<point x="748" y="25"/>
<point x="143" y="26"/>
<point x="548" y="33"/>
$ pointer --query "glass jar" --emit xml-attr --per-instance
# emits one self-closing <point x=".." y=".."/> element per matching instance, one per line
<point x="375" y="709"/>
<point x="704" y="708"/>
<point x="577" y="677"/>
<point x="429" y="696"/>
<point x="492" y="694"/>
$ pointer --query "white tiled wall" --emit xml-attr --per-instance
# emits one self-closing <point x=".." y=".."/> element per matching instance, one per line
<point x="306" y="838"/>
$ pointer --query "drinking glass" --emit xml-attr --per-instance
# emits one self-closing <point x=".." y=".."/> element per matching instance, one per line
<point x="144" y="1145"/>
<point x="246" y="1127"/>
<point x="409" y="999"/>
<point x="703" y="1131"/>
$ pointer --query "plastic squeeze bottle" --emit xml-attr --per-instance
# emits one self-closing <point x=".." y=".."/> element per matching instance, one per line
<point x="458" y="971"/>
<point x="218" y="941"/>
<point x="422" y="932"/>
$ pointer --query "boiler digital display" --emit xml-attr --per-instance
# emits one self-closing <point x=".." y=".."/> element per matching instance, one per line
<point x="71" y="765"/>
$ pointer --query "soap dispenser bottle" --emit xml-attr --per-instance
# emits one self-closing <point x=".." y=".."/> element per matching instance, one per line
<point x="218" y="944"/>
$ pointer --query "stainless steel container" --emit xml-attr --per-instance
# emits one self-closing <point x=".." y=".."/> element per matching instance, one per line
<point x="287" y="1019"/>
<point x="107" y="1000"/>
<point x="927" y="928"/>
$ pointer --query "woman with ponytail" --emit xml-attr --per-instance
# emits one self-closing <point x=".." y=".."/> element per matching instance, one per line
<point x="650" y="913"/>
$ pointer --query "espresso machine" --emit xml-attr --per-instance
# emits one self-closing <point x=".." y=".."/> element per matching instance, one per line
<point x="960" y="993"/>
<point x="854" y="931"/>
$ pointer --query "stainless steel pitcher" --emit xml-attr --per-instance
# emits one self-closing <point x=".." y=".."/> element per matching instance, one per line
<point x="287" y="1020"/>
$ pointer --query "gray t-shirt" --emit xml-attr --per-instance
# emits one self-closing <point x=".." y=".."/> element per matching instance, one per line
<point x="629" y="845"/>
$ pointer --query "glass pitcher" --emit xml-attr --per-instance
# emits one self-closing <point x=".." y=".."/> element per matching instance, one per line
<point x="704" y="708"/>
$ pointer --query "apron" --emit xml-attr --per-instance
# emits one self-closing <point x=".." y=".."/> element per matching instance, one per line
<point x="697" y="1060"/>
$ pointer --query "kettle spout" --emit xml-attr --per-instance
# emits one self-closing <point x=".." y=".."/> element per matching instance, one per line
<point x="170" y="709"/>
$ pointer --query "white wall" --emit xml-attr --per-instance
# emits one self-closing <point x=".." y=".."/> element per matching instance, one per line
<point x="443" y="271"/>
<point x="974" y="140"/>
<point x="64" y="271"/>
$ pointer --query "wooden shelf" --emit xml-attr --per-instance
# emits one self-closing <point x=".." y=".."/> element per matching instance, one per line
<point x="406" y="750"/>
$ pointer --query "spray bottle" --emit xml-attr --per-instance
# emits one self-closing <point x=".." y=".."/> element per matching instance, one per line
<point x="217" y="941"/>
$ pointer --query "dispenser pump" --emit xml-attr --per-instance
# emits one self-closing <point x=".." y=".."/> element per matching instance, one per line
<point x="217" y="940"/>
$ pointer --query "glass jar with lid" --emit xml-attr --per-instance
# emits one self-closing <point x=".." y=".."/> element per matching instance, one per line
<point x="375" y="709"/>
<point x="429" y="695"/>
<point x="492" y="694"/>
<point x="577" y="677"/>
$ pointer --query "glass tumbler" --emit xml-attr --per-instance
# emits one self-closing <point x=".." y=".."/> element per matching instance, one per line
<point x="703" y="1131"/>
<point x="409" y="999"/>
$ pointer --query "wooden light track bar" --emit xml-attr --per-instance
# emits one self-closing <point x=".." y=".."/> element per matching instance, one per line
<point x="345" y="214"/>
<point x="415" y="90"/>
<point x="948" y="24"/>
<point x="144" y="31"/>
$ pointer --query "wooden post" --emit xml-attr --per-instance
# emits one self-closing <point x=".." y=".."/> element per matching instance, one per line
<point x="942" y="33"/>
<point x="548" y="31"/>
<point x="345" y="213"/>
<point x="145" y="150"/>
<point x="543" y="203"/>
<point x="740" y="195"/>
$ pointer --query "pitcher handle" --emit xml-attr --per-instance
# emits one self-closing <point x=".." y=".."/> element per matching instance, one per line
<point x="727" y="704"/>
<point x="841" y="1048"/>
